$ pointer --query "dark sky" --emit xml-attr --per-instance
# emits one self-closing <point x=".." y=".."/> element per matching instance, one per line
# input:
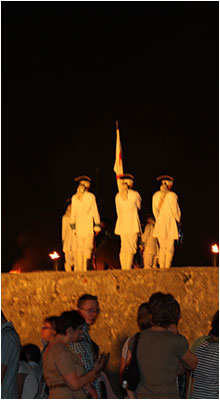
<point x="69" y="71"/>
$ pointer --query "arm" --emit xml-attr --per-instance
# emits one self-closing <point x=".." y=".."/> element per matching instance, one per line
<point x="75" y="382"/>
<point x="139" y="201"/>
<point x="95" y="214"/>
<point x="189" y="360"/>
<point x="20" y="383"/>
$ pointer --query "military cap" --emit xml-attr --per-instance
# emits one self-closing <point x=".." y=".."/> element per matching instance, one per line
<point x="126" y="176"/>
<point x="165" y="178"/>
<point x="82" y="178"/>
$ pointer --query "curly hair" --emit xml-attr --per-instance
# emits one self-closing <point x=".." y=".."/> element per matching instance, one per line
<point x="164" y="309"/>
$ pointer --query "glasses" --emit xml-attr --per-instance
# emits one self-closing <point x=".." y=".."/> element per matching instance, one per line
<point x="91" y="310"/>
<point x="46" y="327"/>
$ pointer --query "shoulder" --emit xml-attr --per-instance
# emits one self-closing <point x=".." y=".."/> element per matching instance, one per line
<point x="89" y="195"/>
<point x="171" y="195"/>
<point x="133" y="193"/>
<point x="156" y="194"/>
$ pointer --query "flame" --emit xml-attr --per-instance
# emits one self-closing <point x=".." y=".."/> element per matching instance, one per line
<point x="54" y="255"/>
<point x="15" y="271"/>
<point x="215" y="248"/>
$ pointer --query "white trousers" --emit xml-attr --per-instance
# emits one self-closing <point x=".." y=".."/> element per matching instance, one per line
<point x="69" y="261"/>
<point x="84" y="246"/>
<point x="166" y="252"/>
<point x="128" y="249"/>
<point x="150" y="260"/>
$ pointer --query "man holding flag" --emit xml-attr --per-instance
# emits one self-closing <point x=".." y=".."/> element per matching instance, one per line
<point x="127" y="202"/>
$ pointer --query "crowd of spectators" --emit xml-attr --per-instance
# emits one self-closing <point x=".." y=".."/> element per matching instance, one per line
<point x="157" y="362"/>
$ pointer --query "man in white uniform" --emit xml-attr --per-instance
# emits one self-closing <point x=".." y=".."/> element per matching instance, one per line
<point x="167" y="214"/>
<point x="128" y="226"/>
<point x="84" y="220"/>
<point x="68" y="241"/>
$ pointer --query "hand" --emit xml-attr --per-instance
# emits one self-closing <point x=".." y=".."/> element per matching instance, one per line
<point x="99" y="364"/>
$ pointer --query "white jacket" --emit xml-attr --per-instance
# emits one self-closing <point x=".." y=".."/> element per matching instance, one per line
<point x="84" y="213"/>
<point x="167" y="217"/>
<point x="127" y="212"/>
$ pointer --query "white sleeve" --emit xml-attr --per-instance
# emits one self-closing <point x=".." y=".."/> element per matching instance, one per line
<point x="95" y="212"/>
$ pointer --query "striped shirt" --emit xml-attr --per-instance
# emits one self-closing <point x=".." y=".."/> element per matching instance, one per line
<point x="206" y="374"/>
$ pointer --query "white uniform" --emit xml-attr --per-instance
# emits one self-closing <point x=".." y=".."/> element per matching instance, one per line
<point x="150" y="246"/>
<point x="128" y="225"/>
<point x="166" y="225"/>
<point x="84" y="214"/>
<point x="69" y="241"/>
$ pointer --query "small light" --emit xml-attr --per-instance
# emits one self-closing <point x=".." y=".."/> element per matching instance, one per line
<point x="215" y="248"/>
<point x="54" y="255"/>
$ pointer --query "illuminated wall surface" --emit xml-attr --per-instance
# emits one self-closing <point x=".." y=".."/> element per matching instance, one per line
<point x="28" y="298"/>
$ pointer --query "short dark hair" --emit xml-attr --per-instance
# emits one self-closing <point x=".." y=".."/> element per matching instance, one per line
<point x="68" y="319"/>
<point x="52" y="321"/>
<point x="32" y="352"/>
<point x="164" y="309"/>
<point x="143" y="317"/>
<point x="215" y="324"/>
<point x="84" y="298"/>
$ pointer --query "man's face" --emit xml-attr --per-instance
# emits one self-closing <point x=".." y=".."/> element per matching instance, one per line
<point x="47" y="332"/>
<point x="89" y="311"/>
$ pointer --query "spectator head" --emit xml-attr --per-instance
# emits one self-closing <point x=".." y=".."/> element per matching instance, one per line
<point x="143" y="317"/>
<point x="70" y="324"/>
<point x="164" y="310"/>
<point x="48" y="330"/>
<point x="23" y="356"/>
<point x="32" y="352"/>
<point x="88" y="307"/>
<point x="215" y="325"/>
<point x="150" y="219"/>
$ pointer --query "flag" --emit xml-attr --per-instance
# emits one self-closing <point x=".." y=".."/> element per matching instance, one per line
<point x="118" y="167"/>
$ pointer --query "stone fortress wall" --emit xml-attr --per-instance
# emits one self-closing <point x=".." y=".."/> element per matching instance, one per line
<point x="28" y="298"/>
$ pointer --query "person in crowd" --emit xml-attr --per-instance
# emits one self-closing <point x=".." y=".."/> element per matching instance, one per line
<point x="206" y="375"/>
<point x="161" y="353"/>
<point x="68" y="241"/>
<point x="27" y="381"/>
<point x="48" y="331"/>
<point x="88" y="308"/>
<point x="130" y="344"/>
<point x="63" y="369"/>
<point x="84" y="220"/>
<point x="10" y="355"/>
<point x="167" y="214"/>
<point x="149" y="244"/>
<point x="33" y="355"/>
<point x="128" y="203"/>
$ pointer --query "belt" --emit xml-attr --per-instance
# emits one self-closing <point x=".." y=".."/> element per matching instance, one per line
<point x="58" y="385"/>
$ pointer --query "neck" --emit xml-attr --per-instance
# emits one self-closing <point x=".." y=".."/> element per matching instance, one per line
<point x="158" y="328"/>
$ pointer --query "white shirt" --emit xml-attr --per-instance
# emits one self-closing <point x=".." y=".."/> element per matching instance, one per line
<point x="84" y="213"/>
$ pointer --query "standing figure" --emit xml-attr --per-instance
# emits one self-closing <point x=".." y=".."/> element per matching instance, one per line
<point x="167" y="214"/>
<point x="128" y="226"/>
<point x="68" y="241"/>
<point x="150" y="255"/>
<point x="84" y="220"/>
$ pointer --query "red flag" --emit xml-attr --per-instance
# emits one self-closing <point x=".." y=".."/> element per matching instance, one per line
<point x="118" y="167"/>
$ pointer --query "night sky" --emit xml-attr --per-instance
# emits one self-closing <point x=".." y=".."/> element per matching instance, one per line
<point x="69" y="71"/>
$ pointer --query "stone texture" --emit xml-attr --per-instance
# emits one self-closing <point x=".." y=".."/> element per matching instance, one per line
<point x="28" y="298"/>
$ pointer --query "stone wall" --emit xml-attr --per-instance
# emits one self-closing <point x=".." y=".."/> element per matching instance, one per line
<point x="28" y="298"/>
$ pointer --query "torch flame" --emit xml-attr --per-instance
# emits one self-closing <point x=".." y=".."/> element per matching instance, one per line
<point x="54" y="255"/>
<point x="15" y="271"/>
<point x="215" y="248"/>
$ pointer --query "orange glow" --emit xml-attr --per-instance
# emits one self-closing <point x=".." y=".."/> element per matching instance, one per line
<point x="215" y="248"/>
<point x="15" y="271"/>
<point x="54" y="255"/>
